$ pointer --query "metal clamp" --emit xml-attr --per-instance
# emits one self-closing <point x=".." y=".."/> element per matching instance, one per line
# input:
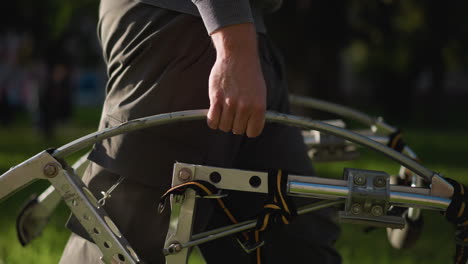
<point x="368" y="199"/>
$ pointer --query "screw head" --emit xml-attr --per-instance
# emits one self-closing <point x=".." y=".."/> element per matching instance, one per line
<point x="174" y="248"/>
<point x="356" y="209"/>
<point x="377" y="210"/>
<point x="380" y="181"/>
<point x="185" y="174"/>
<point x="359" y="180"/>
<point x="51" y="170"/>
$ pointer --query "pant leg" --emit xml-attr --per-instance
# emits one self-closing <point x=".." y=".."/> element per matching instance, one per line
<point x="158" y="61"/>
<point x="309" y="238"/>
<point x="79" y="250"/>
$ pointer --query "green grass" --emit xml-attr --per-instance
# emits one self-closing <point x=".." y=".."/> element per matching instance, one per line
<point x="18" y="142"/>
<point x="442" y="151"/>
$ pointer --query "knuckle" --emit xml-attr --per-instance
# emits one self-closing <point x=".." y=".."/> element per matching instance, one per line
<point x="243" y="107"/>
<point x="216" y="98"/>
<point x="231" y="103"/>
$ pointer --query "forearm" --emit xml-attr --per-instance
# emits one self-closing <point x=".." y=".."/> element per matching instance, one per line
<point x="236" y="42"/>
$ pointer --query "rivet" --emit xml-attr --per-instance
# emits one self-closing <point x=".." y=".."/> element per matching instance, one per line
<point x="185" y="174"/>
<point x="51" y="170"/>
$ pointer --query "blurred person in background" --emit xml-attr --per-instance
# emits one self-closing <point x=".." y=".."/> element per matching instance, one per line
<point x="55" y="96"/>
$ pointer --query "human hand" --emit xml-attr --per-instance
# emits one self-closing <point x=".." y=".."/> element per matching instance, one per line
<point x="237" y="89"/>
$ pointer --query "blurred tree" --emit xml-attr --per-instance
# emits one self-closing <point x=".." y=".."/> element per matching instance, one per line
<point x="49" y="21"/>
<point x="393" y="45"/>
<point x="312" y="34"/>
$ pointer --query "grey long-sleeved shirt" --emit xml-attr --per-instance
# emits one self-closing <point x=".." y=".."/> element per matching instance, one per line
<point x="220" y="13"/>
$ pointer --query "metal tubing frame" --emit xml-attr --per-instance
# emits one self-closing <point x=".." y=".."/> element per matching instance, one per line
<point x="105" y="234"/>
<point x="49" y="199"/>
<point x="375" y="123"/>
<point x="180" y="239"/>
<point x="280" y="118"/>
<point x="408" y="197"/>
<point x="16" y="177"/>
<point x="340" y="110"/>
<point x="250" y="224"/>
<point x="36" y="214"/>
<point x="78" y="198"/>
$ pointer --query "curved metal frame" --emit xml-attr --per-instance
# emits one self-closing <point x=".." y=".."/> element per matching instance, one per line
<point x="444" y="189"/>
<point x="397" y="238"/>
<point x="280" y="118"/>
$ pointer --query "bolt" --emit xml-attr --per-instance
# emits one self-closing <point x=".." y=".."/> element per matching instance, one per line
<point x="51" y="170"/>
<point x="356" y="209"/>
<point x="359" y="180"/>
<point x="185" y="174"/>
<point x="174" y="248"/>
<point x="380" y="181"/>
<point x="377" y="210"/>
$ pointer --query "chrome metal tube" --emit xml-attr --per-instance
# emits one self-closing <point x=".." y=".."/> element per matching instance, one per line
<point x="405" y="199"/>
<point x="419" y="201"/>
<point x="246" y="225"/>
<point x="322" y="191"/>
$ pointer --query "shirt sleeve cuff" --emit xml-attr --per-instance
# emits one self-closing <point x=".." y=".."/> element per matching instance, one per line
<point x="221" y="13"/>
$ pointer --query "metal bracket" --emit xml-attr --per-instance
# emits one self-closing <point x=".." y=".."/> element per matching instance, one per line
<point x="36" y="213"/>
<point x="93" y="218"/>
<point x="181" y="219"/>
<point x="40" y="166"/>
<point x="328" y="148"/>
<point x="368" y="199"/>
<point x="183" y="206"/>
<point x="440" y="187"/>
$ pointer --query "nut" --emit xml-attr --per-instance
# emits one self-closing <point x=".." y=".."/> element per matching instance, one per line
<point x="51" y="170"/>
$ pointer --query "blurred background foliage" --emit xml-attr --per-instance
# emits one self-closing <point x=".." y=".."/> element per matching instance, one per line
<point x="404" y="60"/>
<point x="401" y="56"/>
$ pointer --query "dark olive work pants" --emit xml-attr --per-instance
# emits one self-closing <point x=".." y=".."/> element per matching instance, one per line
<point x="159" y="61"/>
